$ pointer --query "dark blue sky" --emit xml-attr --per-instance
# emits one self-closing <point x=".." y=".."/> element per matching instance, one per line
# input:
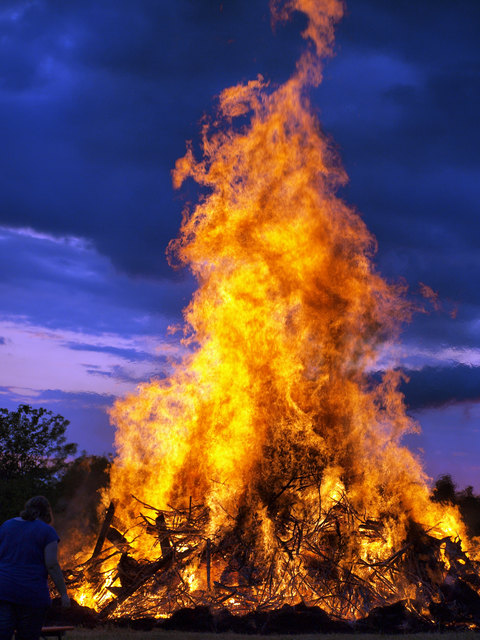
<point x="97" y="100"/>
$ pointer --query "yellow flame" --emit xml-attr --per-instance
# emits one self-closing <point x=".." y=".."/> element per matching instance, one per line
<point x="273" y="416"/>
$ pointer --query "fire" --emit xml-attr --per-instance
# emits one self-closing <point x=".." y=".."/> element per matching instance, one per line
<point x="272" y="435"/>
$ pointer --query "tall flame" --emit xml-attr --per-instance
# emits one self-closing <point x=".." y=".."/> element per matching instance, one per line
<point x="274" y="408"/>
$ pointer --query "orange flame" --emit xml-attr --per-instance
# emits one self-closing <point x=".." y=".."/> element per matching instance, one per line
<point x="288" y="322"/>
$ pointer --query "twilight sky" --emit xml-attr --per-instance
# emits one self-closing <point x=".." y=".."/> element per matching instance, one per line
<point x="97" y="100"/>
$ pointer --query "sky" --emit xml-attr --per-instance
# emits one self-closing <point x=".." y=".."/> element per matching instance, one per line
<point x="97" y="101"/>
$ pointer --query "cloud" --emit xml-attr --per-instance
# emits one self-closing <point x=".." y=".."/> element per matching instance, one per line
<point x="123" y="374"/>
<point x="67" y="284"/>
<point x="401" y="102"/>
<point x="441" y="386"/>
<point x="132" y="355"/>
<point x="412" y="31"/>
<point x="37" y="358"/>
<point x="100" y="99"/>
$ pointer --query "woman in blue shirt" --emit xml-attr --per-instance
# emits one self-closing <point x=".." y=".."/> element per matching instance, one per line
<point x="28" y="554"/>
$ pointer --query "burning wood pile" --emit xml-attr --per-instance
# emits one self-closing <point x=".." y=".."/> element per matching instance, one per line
<point x="268" y="466"/>
<point x="429" y="580"/>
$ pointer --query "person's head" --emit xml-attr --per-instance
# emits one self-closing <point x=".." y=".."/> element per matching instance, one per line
<point x="37" y="507"/>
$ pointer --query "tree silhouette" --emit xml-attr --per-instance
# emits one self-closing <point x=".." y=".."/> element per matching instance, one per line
<point x="33" y="455"/>
<point x="445" y="490"/>
<point x="79" y="495"/>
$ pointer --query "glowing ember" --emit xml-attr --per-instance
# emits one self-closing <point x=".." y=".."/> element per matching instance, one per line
<point x="272" y="456"/>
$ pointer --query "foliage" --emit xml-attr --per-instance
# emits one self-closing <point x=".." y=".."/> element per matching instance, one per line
<point x="445" y="491"/>
<point x="33" y="456"/>
<point x="79" y="495"/>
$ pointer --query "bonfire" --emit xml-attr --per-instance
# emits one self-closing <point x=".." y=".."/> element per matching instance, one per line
<point x="268" y="469"/>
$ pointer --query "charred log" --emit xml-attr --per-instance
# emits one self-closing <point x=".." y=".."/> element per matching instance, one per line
<point x="110" y="512"/>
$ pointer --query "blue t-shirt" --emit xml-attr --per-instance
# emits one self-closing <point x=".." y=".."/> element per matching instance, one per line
<point x="23" y="575"/>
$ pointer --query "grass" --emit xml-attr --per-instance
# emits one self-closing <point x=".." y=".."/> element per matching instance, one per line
<point x="114" y="633"/>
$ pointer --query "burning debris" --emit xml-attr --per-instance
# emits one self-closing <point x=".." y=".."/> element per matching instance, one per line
<point x="428" y="580"/>
<point x="268" y="468"/>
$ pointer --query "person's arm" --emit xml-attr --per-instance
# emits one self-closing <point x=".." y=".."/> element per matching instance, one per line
<point x="53" y="568"/>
